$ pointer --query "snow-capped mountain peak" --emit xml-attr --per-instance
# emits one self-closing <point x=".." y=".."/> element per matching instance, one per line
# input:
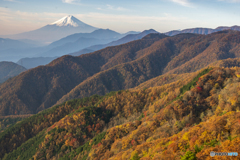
<point x="68" y="21"/>
<point x="54" y="31"/>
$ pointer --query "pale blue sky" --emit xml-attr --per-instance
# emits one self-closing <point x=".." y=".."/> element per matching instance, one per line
<point x="126" y="15"/>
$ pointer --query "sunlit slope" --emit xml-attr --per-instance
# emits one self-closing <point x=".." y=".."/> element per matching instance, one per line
<point x="180" y="120"/>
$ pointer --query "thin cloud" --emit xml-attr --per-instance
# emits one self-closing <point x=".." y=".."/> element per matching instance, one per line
<point x="185" y="3"/>
<point x="134" y="22"/>
<point x="113" y="8"/>
<point x="68" y="1"/>
<point x="13" y="22"/>
<point x="109" y="6"/>
<point x="76" y="2"/>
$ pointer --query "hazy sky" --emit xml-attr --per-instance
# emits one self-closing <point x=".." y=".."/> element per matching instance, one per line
<point x="123" y="15"/>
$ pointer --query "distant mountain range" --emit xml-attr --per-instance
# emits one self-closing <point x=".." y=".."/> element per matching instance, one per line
<point x="126" y="39"/>
<point x="75" y="42"/>
<point x="68" y="45"/>
<point x="60" y="47"/>
<point x="9" y="69"/>
<point x="78" y="41"/>
<point x="25" y="52"/>
<point x="69" y="25"/>
<point x="101" y="34"/>
<point x="54" y="31"/>
<point x="202" y="30"/>
<point x="114" y="68"/>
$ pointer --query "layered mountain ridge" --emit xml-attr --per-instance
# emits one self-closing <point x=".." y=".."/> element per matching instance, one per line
<point x="114" y="68"/>
<point x="125" y="39"/>
<point x="71" y="44"/>
<point x="202" y="30"/>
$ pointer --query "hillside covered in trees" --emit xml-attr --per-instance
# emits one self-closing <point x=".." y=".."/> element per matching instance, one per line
<point x="158" y="97"/>
<point x="114" y="68"/>
<point x="184" y="119"/>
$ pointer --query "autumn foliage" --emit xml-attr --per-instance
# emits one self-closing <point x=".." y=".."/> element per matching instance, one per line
<point x="186" y="119"/>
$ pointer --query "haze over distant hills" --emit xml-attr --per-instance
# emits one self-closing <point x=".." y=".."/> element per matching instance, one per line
<point x="202" y="30"/>
<point x="6" y="43"/>
<point x="69" y="25"/>
<point x="24" y="53"/>
<point x="9" y="69"/>
<point x="66" y="45"/>
<point x="54" y="31"/>
<point x="126" y="39"/>
<point x="69" y="44"/>
<point x="9" y="48"/>
<point x="69" y="39"/>
<point x="101" y="34"/>
<point x="78" y="41"/>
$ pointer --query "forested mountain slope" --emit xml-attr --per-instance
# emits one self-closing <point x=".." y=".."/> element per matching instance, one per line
<point x="185" y="119"/>
<point x="179" y="54"/>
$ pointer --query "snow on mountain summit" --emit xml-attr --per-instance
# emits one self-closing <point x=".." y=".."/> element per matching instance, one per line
<point x="68" y="21"/>
<point x="54" y="31"/>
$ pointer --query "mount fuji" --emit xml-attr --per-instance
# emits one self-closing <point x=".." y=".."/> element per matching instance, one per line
<point x="63" y="27"/>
